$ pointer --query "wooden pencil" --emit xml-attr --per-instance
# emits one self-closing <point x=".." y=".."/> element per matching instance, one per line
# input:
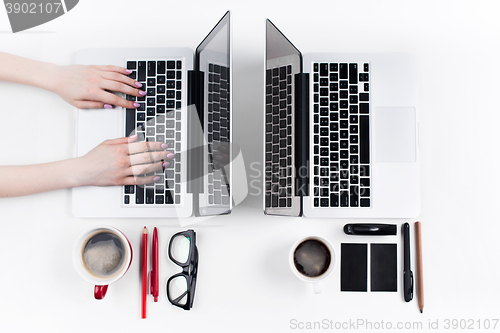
<point x="420" y="273"/>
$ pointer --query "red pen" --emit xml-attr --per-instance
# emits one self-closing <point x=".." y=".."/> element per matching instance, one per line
<point x="155" y="285"/>
<point x="144" y="270"/>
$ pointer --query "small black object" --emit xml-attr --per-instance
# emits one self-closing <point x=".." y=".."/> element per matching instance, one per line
<point x="370" y="229"/>
<point x="353" y="267"/>
<point x="383" y="267"/>
<point x="407" y="273"/>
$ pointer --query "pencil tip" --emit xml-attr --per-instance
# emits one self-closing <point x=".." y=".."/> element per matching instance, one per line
<point x="421" y="311"/>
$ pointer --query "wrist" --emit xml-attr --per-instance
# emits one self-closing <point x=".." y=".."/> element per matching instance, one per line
<point x="48" y="77"/>
<point x="77" y="173"/>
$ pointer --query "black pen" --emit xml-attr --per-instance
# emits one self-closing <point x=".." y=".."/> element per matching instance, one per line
<point x="407" y="273"/>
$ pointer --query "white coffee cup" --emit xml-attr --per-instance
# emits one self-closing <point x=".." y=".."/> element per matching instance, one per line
<point x="313" y="262"/>
<point x="101" y="256"/>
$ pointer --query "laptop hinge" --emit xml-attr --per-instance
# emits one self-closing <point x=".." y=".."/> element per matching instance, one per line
<point x="301" y="134"/>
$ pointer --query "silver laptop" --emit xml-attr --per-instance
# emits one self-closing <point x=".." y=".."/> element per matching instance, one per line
<point x="341" y="133"/>
<point x="187" y="106"/>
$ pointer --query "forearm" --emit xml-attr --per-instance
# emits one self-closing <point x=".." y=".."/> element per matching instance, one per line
<point x="22" y="180"/>
<point x="26" y="71"/>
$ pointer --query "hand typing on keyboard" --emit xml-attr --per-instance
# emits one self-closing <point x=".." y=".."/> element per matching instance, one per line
<point x="88" y="87"/>
<point x="124" y="162"/>
<point x="120" y="161"/>
<point x="85" y="87"/>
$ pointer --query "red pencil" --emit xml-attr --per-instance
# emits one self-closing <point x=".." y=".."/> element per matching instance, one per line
<point x="155" y="285"/>
<point x="144" y="270"/>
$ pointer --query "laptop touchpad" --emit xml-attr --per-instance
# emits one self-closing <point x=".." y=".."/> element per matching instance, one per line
<point x="395" y="134"/>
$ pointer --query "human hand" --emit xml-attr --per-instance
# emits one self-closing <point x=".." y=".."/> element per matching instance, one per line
<point x="88" y="87"/>
<point x="220" y="154"/>
<point x="123" y="161"/>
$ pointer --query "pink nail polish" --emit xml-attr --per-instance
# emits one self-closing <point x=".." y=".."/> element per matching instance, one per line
<point x="138" y="84"/>
<point x="142" y="93"/>
<point x="164" y="145"/>
<point x="170" y="155"/>
<point x="108" y="106"/>
<point x="165" y="164"/>
<point x="128" y="71"/>
<point x="137" y="105"/>
<point x="133" y="136"/>
<point x="157" y="178"/>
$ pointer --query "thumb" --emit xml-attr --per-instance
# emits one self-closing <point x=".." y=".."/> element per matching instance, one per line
<point x="124" y="140"/>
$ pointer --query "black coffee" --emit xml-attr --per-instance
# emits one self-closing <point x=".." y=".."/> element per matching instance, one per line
<point x="104" y="254"/>
<point x="312" y="258"/>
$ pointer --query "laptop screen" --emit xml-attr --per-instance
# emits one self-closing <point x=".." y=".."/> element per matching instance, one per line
<point x="277" y="45"/>
<point x="213" y="61"/>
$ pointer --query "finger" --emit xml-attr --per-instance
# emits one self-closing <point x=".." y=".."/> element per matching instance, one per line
<point x="112" y="99"/>
<point x="220" y="157"/>
<point x="121" y="87"/>
<point x="111" y="68"/>
<point x="124" y="140"/>
<point x="137" y="170"/>
<point x="141" y="180"/>
<point x="88" y="104"/>
<point x="140" y="147"/>
<point x="112" y="76"/>
<point x="223" y="149"/>
<point x="149" y="157"/>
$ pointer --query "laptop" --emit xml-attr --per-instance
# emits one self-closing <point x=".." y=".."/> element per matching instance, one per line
<point x="187" y="106"/>
<point x="341" y="135"/>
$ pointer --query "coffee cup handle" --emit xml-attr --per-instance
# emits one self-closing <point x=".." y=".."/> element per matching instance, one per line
<point x="100" y="291"/>
<point x="317" y="288"/>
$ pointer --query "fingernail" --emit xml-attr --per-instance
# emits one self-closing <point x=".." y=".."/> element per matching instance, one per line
<point x="138" y="84"/>
<point x="157" y="178"/>
<point x="164" y="145"/>
<point x="165" y="164"/>
<point x="218" y="157"/>
<point x="133" y="136"/>
<point x="142" y="93"/>
<point x="137" y="105"/>
<point x="170" y="155"/>
<point x="128" y="71"/>
<point x="108" y="106"/>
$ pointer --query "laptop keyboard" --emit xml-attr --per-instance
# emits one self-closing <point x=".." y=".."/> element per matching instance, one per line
<point x="279" y="167"/>
<point x="158" y="118"/>
<point x="341" y="99"/>
<point x="218" y="131"/>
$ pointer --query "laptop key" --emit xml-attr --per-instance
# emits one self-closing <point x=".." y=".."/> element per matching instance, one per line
<point x="364" y="139"/>
<point x="343" y="68"/>
<point x="139" y="194"/>
<point x="141" y="71"/>
<point x="323" y="69"/>
<point x="353" y="73"/>
<point x="168" y="197"/>
<point x="151" y="68"/>
<point x="161" y="67"/>
<point x="150" y="196"/>
<point x="344" y="198"/>
<point x="334" y="199"/>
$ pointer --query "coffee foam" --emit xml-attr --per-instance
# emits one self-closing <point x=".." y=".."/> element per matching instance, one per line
<point x="103" y="254"/>
<point x="312" y="258"/>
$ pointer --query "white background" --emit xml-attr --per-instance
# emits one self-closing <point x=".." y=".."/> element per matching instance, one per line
<point x="245" y="284"/>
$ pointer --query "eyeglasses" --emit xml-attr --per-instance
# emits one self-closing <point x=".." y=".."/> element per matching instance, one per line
<point x="183" y="252"/>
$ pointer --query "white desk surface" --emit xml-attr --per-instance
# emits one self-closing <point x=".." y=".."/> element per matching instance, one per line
<point x="245" y="284"/>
